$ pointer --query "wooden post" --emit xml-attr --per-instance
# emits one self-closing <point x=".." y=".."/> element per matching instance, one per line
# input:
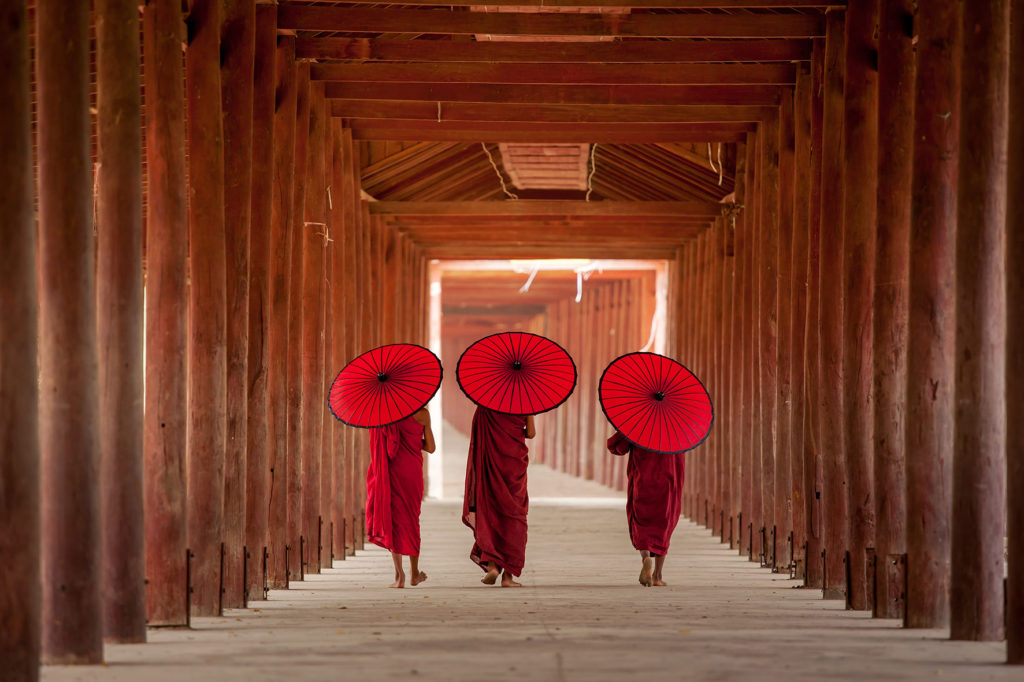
<point x="892" y="263"/>
<point x="1015" y="341"/>
<point x="119" y="319"/>
<point x="295" y="290"/>
<point x="860" y="151"/>
<point x="166" y="324"/>
<point x="812" y="453"/>
<point x="278" y="535"/>
<point x="804" y="159"/>
<point x="354" y="321"/>
<point x="979" y="428"/>
<point x="830" y="315"/>
<point x="19" y="433"/>
<point x="258" y="442"/>
<point x="337" y="356"/>
<point x="68" y="372"/>
<point x="737" y="409"/>
<point x="207" y="306"/>
<point x="930" y="330"/>
<point x="237" y="85"/>
<point x="768" y="318"/>
<point x="747" y="444"/>
<point x="312" y="230"/>
<point x="785" y="360"/>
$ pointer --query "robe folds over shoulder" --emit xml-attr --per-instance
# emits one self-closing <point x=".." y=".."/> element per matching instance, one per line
<point x="496" y="501"/>
<point x="653" y="496"/>
<point x="394" y="487"/>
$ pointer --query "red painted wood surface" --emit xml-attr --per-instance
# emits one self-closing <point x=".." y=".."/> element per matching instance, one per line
<point x="337" y="356"/>
<point x="860" y="156"/>
<point x="930" y="330"/>
<point x="166" y="321"/>
<point x="830" y="318"/>
<point x="281" y="209"/>
<point x="739" y="399"/>
<point x="20" y="619"/>
<point x="785" y="359"/>
<point x="979" y="428"/>
<point x="68" y="373"/>
<point x="751" y="494"/>
<point x="237" y="85"/>
<point x="768" y="273"/>
<point x="258" y="442"/>
<point x="892" y="264"/>
<point x="1014" y="339"/>
<point x="120" y="317"/>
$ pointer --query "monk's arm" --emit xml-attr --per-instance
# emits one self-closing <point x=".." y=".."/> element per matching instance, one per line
<point x="423" y="417"/>
<point x="529" y="430"/>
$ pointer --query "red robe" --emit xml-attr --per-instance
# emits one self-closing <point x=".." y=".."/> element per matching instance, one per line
<point x="654" y="494"/>
<point x="496" y="502"/>
<point x="394" y="487"/>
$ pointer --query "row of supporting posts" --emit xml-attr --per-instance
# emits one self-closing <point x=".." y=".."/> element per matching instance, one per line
<point x="260" y="264"/>
<point x="861" y="413"/>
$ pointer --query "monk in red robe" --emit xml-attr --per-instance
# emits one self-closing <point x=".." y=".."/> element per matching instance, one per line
<point x="653" y="503"/>
<point x="496" y="502"/>
<point x="394" y="490"/>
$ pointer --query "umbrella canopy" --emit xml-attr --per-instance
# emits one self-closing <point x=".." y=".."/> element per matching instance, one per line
<point x="655" y="402"/>
<point x="385" y="385"/>
<point x="516" y="373"/>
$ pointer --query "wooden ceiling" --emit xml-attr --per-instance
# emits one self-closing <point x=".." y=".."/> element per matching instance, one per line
<point x="655" y="94"/>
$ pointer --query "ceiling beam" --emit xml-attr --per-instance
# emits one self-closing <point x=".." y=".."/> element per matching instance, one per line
<point x="674" y="51"/>
<point x="470" y="251"/>
<point x="603" y="133"/>
<point x="543" y="113"/>
<point x="559" y="73"/>
<point x="672" y="4"/>
<point x="524" y="207"/>
<point x="695" y="95"/>
<point x="449" y="22"/>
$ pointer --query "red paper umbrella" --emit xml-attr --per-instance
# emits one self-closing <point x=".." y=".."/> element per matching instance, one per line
<point x="655" y="402"/>
<point x="516" y="373"/>
<point x="385" y="385"/>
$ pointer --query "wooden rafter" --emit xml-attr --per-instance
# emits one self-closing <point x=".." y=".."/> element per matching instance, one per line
<point x="528" y="207"/>
<point x="477" y="131"/>
<point x="435" y="21"/>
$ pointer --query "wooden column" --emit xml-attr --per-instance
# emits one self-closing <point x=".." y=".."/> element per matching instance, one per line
<point x="892" y="263"/>
<point x="930" y="330"/>
<point x="313" y="230"/>
<point x="296" y="536"/>
<point x="278" y="396"/>
<point x="830" y="316"/>
<point x="785" y="360"/>
<point x="68" y="358"/>
<point x="768" y="275"/>
<point x="813" y="463"/>
<point x="166" y="323"/>
<point x="748" y="450"/>
<point x="1014" y="342"/>
<point x="119" y="319"/>
<point x="804" y="162"/>
<point x="354" y="318"/>
<point x="258" y="443"/>
<point x="860" y="152"/>
<point x="737" y="408"/>
<point x="207" y="306"/>
<point x="338" y="354"/>
<point x="237" y="85"/>
<point x="19" y="433"/>
<point x="979" y="429"/>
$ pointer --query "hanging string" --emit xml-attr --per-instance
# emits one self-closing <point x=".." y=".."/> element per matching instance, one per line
<point x="579" y="286"/>
<point x="719" y="164"/>
<point x="497" y="172"/>
<point x="526" y="287"/>
<point x="592" y="168"/>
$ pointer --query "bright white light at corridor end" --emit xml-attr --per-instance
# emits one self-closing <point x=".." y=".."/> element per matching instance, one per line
<point x="569" y="264"/>
<point x="435" y="288"/>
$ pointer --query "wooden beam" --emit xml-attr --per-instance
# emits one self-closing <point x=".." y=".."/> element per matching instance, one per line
<point x="446" y="22"/>
<point x="690" y="95"/>
<point x="668" y="4"/>
<point x="538" y="113"/>
<point x="618" y="52"/>
<point x="547" y="208"/>
<point x="511" y="131"/>
<point x="469" y="251"/>
<point x="563" y="73"/>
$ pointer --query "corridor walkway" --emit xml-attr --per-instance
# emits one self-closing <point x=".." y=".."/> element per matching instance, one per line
<point x="580" y="616"/>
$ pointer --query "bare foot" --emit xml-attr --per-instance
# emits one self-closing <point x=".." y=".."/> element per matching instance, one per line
<point x="490" y="577"/>
<point x="507" y="581"/>
<point x="418" y="578"/>
<point x="399" y="581"/>
<point x="658" y="582"/>
<point x="645" y="572"/>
